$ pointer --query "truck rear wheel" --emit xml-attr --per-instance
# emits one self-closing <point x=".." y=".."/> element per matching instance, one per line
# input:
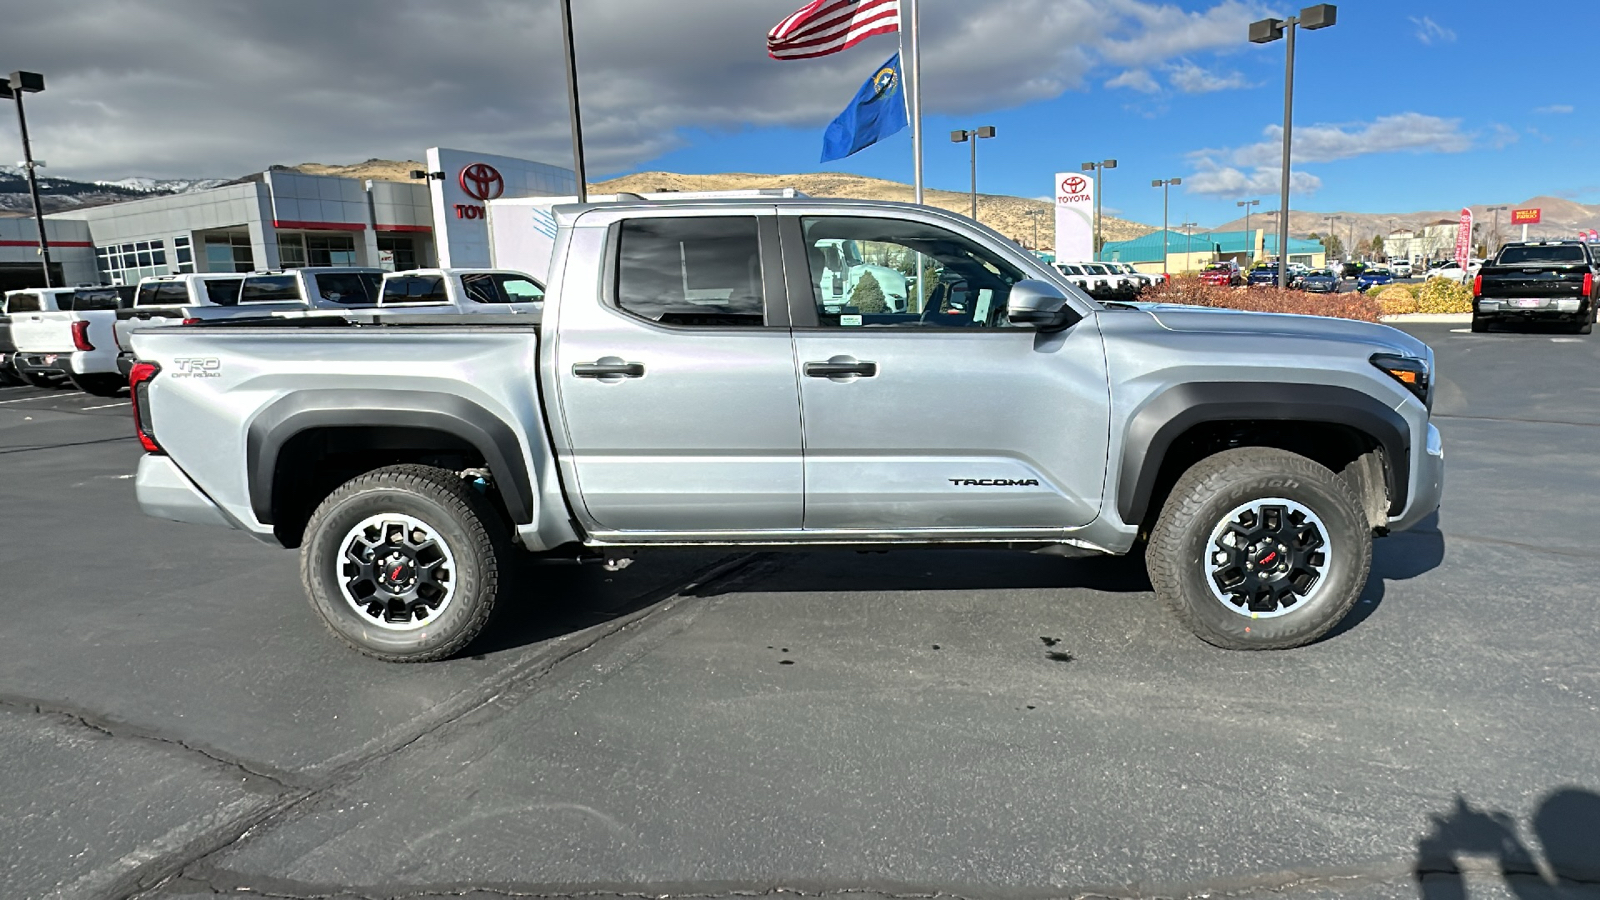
<point x="99" y="385"/>
<point x="403" y="563"/>
<point x="1260" y="549"/>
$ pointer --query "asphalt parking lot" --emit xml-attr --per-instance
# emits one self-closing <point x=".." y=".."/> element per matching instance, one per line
<point x="174" y="720"/>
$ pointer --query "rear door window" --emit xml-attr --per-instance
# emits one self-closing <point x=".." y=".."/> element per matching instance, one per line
<point x="349" y="288"/>
<point x="698" y="271"/>
<point x="480" y="288"/>
<point x="269" y="289"/>
<point x="414" y="289"/>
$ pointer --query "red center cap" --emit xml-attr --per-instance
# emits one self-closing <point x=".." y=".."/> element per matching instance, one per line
<point x="1267" y="560"/>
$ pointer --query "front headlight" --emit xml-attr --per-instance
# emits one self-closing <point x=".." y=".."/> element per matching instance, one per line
<point x="1409" y="371"/>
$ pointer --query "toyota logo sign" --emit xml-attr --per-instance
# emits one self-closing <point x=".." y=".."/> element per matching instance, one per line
<point x="1074" y="184"/>
<point x="482" y="182"/>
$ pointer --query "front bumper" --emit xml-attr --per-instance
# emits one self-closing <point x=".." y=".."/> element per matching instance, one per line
<point x="164" y="492"/>
<point x="1427" y="482"/>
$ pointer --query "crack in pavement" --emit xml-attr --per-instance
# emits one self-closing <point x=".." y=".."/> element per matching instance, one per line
<point x="156" y="873"/>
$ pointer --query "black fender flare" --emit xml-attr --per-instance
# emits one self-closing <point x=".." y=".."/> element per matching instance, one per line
<point x="1177" y="409"/>
<point x="302" y="411"/>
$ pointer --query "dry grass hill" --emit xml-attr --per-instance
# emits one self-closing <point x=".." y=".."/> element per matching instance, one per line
<point x="1009" y="215"/>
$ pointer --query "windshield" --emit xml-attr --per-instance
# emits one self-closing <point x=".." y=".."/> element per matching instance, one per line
<point x="1070" y="270"/>
<point x="1321" y="273"/>
<point x="1555" y="254"/>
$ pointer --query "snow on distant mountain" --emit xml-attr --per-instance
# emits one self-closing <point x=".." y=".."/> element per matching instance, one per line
<point x="164" y="185"/>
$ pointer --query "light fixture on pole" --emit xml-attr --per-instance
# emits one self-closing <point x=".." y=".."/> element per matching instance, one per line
<point x="1188" y="243"/>
<point x="962" y="137"/>
<point x="13" y="88"/>
<point x="1266" y="31"/>
<point x="1099" y="198"/>
<point x="1495" y="234"/>
<point x="570" y="51"/>
<point x="1249" y="236"/>
<point x="1164" y="184"/>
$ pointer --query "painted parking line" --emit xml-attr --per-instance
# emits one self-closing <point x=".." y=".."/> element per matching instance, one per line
<point x="45" y="397"/>
<point x="108" y="405"/>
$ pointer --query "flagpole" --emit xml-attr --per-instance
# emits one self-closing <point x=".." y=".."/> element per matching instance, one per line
<point x="915" y="93"/>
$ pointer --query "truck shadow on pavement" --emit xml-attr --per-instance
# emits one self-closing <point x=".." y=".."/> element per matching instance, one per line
<point x="1566" y="827"/>
<point x="1398" y="557"/>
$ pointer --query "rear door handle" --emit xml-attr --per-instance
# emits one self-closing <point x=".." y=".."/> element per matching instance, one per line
<point x="840" y="367"/>
<point x="608" y="368"/>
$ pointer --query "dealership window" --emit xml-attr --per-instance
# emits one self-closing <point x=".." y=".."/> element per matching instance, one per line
<point x="229" y="253"/>
<point x="401" y="252"/>
<point x="330" y="250"/>
<point x="291" y="251"/>
<point x="183" y="254"/>
<point x="127" y="263"/>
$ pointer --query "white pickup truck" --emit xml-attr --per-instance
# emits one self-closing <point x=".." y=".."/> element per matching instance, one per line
<point x="461" y="292"/>
<point x="186" y="299"/>
<point x="67" y="333"/>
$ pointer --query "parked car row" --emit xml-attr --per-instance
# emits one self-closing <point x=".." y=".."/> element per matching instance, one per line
<point x="1108" y="280"/>
<point x="79" y="336"/>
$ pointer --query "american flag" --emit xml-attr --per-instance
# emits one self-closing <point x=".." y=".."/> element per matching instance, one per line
<point x="828" y="26"/>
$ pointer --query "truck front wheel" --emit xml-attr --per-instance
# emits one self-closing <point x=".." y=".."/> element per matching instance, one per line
<point x="1260" y="549"/>
<point x="403" y="563"/>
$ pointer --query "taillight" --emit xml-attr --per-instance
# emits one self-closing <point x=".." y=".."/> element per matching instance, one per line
<point x="191" y="321"/>
<point x="1588" y="283"/>
<point x="1477" y="285"/>
<point x="80" y="336"/>
<point x="139" y="389"/>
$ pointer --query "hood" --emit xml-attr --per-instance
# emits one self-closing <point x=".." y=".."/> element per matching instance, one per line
<point x="1201" y="319"/>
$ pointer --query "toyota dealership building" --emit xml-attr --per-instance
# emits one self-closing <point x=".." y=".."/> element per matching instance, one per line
<point x="283" y="219"/>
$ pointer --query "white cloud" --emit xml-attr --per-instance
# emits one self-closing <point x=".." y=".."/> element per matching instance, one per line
<point x="1429" y="31"/>
<point x="1413" y="132"/>
<point x="1158" y="32"/>
<point x="1559" y="109"/>
<point x="1227" y="181"/>
<point x="1503" y="137"/>
<point x="1192" y="79"/>
<point x="1136" y="79"/>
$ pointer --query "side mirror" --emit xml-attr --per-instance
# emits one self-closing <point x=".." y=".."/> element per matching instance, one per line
<point x="1039" y="303"/>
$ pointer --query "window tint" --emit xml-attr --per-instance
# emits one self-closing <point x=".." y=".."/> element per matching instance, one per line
<point x="963" y="284"/>
<point x="223" y="291"/>
<point x="162" y="293"/>
<point x="270" y="289"/>
<point x="23" y="303"/>
<point x="1560" y="254"/>
<point x="350" y="288"/>
<point x="519" y="290"/>
<point x="692" y="271"/>
<point x="414" y="289"/>
<point x="480" y="288"/>
<point x="97" y="298"/>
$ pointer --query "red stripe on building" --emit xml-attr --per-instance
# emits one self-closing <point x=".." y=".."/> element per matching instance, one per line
<point x="319" y="226"/>
<point x="52" y="243"/>
<point x="417" y="229"/>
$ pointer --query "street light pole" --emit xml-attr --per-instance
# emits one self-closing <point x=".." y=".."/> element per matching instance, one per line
<point x="18" y="84"/>
<point x="570" y="51"/>
<point x="1495" y="235"/>
<point x="1188" y="244"/>
<point x="1249" y="236"/>
<point x="1164" y="184"/>
<point x="1099" y="198"/>
<point x="962" y="137"/>
<point x="1266" y="31"/>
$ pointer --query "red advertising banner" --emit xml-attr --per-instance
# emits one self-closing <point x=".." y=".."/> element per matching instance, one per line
<point x="1526" y="216"/>
<point x="1464" y="239"/>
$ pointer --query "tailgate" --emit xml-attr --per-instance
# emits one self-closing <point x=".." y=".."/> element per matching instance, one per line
<point x="42" y="332"/>
<point x="128" y="320"/>
<point x="1534" y="281"/>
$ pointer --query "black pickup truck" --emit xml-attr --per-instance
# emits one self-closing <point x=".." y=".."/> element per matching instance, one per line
<point x="1542" y="281"/>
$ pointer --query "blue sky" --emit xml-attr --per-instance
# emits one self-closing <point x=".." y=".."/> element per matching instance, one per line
<point x="1399" y="107"/>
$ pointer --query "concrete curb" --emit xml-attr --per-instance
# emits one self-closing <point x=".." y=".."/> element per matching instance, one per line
<point x="1423" y="318"/>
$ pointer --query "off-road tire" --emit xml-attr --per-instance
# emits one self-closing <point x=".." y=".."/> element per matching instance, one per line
<point x="1178" y="550"/>
<point x="1479" y="324"/>
<point x="460" y="516"/>
<point x="1586" y="325"/>
<point x="99" y="385"/>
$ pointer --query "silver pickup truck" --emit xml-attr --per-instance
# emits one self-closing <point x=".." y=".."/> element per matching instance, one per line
<point x="688" y="385"/>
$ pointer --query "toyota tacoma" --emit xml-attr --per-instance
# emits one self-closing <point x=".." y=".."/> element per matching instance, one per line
<point x="689" y="384"/>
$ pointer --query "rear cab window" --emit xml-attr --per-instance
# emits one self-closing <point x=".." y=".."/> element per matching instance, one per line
<point x="162" y="293"/>
<point x="270" y="289"/>
<point x="102" y="298"/>
<point x="1555" y="255"/>
<point x="223" y="291"/>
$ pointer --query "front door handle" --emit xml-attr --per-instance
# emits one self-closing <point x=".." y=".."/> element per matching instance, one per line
<point x="841" y="367"/>
<point x="608" y="368"/>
